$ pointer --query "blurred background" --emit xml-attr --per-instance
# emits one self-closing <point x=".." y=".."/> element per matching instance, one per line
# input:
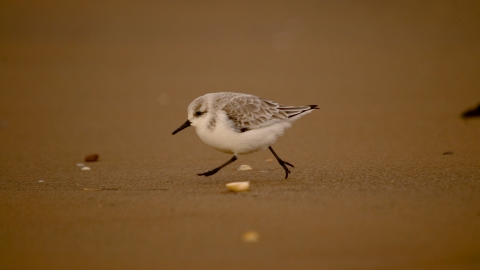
<point x="108" y="76"/>
<point x="116" y="77"/>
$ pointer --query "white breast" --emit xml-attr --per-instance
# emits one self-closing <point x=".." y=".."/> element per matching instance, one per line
<point x="225" y="139"/>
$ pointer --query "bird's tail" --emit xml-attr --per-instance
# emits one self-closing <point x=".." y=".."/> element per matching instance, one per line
<point x="293" y="111"/>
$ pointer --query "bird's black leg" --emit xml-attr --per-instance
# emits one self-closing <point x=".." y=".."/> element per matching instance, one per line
<point x="214" y="171"/>
<point x="282" y="162"/>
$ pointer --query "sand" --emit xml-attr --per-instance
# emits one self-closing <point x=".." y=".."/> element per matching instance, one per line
<point x="387" y="174"/>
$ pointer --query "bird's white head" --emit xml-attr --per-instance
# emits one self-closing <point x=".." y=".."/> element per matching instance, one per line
<point x="197" y="114"/>
<point x="197" y="111"/>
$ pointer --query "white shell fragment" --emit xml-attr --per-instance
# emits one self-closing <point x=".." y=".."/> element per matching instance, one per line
<point x="238" y="186"/>
<point x="85" y="168"/>
<point x="250" y="236"/>
<point x="244" y="168"/>
<point x="268" y="160"/>
<point x="41" y="181"/>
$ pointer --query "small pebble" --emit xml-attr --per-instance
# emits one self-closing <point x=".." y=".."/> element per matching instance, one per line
<point x="41" y="181"/>
<point x="471" y="112"/>
<point x="448" y="153"/>
<point x="91" y="158"/>
<point x="250" y="236"/>
<point x="85" y="168"/>
<point x="244" y="168"/>
<point x="268" y="160"/>
<point x="238" y="186"/>
<point x="80" y="165"/>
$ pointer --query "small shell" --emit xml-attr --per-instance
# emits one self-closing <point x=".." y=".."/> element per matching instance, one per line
<point x="238" y="186"/>
<point x="85" y="168"/>
<point x="268" y="160"/>
<point x="250" y="236"/>
<point x="244" y="168"/>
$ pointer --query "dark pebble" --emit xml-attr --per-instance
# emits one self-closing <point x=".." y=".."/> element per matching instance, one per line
<point x="470" y="113"/>
<point x="91" y="158"/>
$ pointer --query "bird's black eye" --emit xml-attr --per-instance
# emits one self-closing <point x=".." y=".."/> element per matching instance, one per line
<point x="198" y="113"/>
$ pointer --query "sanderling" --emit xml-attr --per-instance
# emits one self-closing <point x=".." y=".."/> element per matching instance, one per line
<point x="239" y="124"/>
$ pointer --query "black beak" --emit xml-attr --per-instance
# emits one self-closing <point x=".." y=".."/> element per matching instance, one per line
<point x="185" y="125"/>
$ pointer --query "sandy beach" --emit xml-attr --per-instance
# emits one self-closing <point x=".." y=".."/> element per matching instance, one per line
<point x="387" y="173"/>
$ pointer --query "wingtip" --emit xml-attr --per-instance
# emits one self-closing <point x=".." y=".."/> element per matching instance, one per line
<point x="313" y="107"/>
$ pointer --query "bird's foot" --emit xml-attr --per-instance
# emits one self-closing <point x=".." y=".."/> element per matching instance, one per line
<point x="289" y="164"/>
<point x="212" y="172"/>
<point x="283" y="163"/>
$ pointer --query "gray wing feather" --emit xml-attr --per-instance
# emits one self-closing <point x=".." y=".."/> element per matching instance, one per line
<point x="249" y="112"/>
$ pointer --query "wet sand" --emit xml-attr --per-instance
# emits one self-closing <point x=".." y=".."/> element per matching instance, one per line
<point x="387" y="174"/>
